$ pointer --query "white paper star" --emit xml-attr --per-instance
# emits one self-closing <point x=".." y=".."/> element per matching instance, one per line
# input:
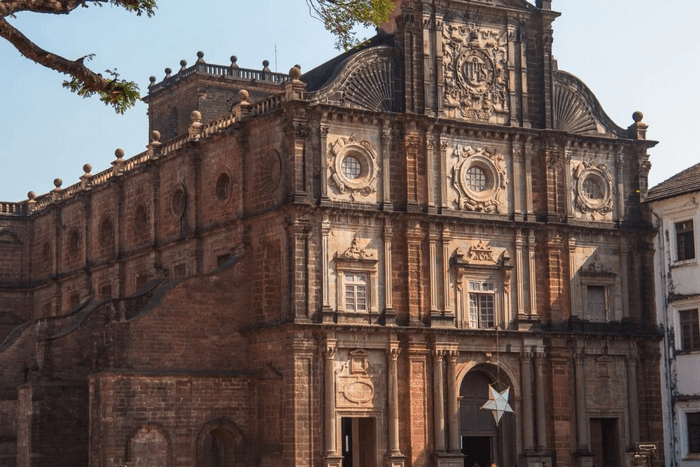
<point x="497" y="403"/>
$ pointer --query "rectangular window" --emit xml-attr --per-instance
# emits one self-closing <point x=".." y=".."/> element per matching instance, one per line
<point x="690" y="331"/>
<point x="179" y="270"/>
<point x="685" y="240"/>
<point x="355" y="292"/>
<point x="597" y="309"/>
<point x="106" y="291"/>
<point x="693" y="420"/>
<point x="481" y="304"/>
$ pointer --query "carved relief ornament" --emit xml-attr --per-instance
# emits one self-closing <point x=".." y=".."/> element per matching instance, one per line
<point x="353" y="166"/>
<point x="475" y="65"/>
<point x="593" y="190"/>
<point x="480" y="179"/>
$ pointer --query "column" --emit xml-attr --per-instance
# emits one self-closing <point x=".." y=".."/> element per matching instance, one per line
<point x="573" y="280"/>
<point x="633" y="397"/>
<point x="386" y="166"/>
<point x="446" y="269"/>
<point x="517" y="155"/>
<point x="620" y="176"/>
<point x="528" y="179"/>
<point x="581" y="422"/>
<point x="526" y="383"/>
<point x="393" y="356"/>
<point x="443" y="170"/>
<point x="434" y="274"/>
<point x="539" y="402"/>
<point x="452" y="402"/>
<point x="439" y="400"/>
<point x="324" y="157"/>
<point x="533" y="273"/>
<point x="389" y="314"/>
<point x="568" y="152"/>
<point x="624" y="277"/>
<point x="519" y="273"/>
<point x="325" y="231"/>
<point x="432" y="145"/>
<point x="330" y="422"/>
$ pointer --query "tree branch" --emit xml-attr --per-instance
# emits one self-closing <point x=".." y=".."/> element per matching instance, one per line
<point x="85" y="82"/>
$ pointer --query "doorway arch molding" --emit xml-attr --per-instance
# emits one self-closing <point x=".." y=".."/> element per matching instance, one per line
<point x="491" y="370"/>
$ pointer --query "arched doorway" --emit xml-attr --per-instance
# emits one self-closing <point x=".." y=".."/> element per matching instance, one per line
<point x="220" y="444"/>
<point x="483" y="442"/>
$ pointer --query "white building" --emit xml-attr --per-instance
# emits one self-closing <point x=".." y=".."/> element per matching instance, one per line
<point x="675" y="205"/>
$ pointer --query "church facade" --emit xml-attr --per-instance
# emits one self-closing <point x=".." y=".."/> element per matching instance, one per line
<point x="341" y="267"/>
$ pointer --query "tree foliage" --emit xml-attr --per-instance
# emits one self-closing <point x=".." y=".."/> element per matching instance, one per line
<point x="340" y="17"/>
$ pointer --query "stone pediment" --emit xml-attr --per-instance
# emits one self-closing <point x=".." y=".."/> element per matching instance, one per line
<point x="7" y="318"/>
<point x="364" y="81"/>
<point x="8" y="236"/>
<point x="577" y="110"/>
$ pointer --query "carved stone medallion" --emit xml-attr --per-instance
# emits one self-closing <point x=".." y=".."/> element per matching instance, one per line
<point x="593" y="189"/>
<point x="353" y="165"/>
<point x="480" y="179"/>
<point x="475" y="72"/>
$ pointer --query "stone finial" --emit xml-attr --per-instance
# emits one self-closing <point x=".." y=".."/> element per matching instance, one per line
<point x="118" y="163"/>
<point x="85" y="178"/>
<point x="295" y="73"/>
<point x="155" y="137"/>
<point x="87" y="168"/>
<point x="234" y="59"/>
<point x="200" y="57"/>
<point x="119" y="153"/>
<point x="183" y="65"/>
<point x="167" y="73"/>
<point x="152" y="79"/>
<point x="638" y="129"/>
<point x="31" y="195"/>
<point x="243" y="96"/>
<point x="266" y="69"/>
<point x="57" y="183"/>
<point x="544" y="4"/>
<point x="155" y="144"/>
<point x="195" y="128"/>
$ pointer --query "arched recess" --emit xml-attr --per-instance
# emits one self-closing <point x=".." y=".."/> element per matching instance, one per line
<point x="483" y="442"/>
<point x="149" y="446"/>
<point x="221" y="444"/>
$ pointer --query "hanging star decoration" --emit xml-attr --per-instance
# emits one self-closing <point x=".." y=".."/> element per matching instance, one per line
<point x="497" y="403"/>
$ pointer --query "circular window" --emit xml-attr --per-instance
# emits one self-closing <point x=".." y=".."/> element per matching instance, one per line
<point x="592" y="189"/>
<point x="106" y="234"/>
<point x="140" y="219"/>
<point x="476" y="179"/>
<point x="351" y="167"/>
<point x="178" y="201"/>
<point x="223" y="187"/>
<point x="74" y="242"/>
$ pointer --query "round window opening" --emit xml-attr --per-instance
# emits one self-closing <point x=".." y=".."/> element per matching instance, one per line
<point x="352" y="169"/>
<point x="592" y="189"/>
<point x="223" y="187"/>
<point x="476" y="179"/>
<point x="178" y="202"/>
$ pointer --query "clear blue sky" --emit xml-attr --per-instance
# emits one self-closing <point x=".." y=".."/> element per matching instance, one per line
<point x="633" y="54"/>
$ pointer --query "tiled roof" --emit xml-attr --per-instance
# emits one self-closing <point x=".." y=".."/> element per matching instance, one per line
<point x="687" y="181"/>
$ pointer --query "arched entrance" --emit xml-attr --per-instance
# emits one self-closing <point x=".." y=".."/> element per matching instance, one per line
<point x="483" y="442"/>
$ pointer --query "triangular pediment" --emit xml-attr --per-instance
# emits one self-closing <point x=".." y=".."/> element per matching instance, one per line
<point x="8" y="236"/>
<point x="7" y="318"/>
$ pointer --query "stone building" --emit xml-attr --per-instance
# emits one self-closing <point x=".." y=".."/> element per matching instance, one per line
<point x="676" y="215"/>
<point x="332" y="269"/>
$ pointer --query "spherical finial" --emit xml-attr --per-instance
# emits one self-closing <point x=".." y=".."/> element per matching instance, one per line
<point x="168" y="71"/>
<point x="155" y="135"/>
<point x="294" y="73"/>
<point x="152" y="79"/>
<point x="297" y="66"/>
<point x="234" y="59"/>
<point x="183" y="63"/>
<point x="87" y="168"/>
<point x="195" y="116"/>
<point x="31" y="195"/>
<point x="119" y="153"/>
<point x="200" y="54"/>
<point x="243" y="95"/>
<point x="266" y="63"/>
<point x="57" y="183"/>
<point x="637" y="116"/>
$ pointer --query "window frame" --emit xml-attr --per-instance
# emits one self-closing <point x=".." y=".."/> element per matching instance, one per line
<point x="354" y="285"/>
<point x="677" y="240"/>
<point x="606" y="303"/>
<point x="474" y="316"/>
<point x="368" y="266"/>
<point x="680" y="341"/>
<point x="683" y="408"/>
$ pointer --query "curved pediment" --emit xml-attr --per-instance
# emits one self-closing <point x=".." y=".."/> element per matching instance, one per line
<point x="363" y="81"/>
<point x="577" y="110"/>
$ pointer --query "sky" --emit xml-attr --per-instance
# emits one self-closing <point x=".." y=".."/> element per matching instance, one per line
<point x="633" y="54"/>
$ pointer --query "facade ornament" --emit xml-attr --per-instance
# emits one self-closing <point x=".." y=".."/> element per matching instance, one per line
<point x="475" y="61"/>
<point x="597" y="267"/>
<point x="353" y="165"/>
<point x="480" y="179"/>
<point x="481" y="252"/>
<point x="593" y="189"/>
<point x="355" y="252"/>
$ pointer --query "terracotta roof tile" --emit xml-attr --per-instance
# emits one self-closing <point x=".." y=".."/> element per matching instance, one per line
<point x="687" y="181"/>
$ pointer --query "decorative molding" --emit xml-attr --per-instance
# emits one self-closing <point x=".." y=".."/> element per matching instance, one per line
<point x="486" y="198"/>
<point x="365" y="183"/>
<point x="354" y="252"/>
<point x="475" y="61"/>
<point x="593" y="190"/>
